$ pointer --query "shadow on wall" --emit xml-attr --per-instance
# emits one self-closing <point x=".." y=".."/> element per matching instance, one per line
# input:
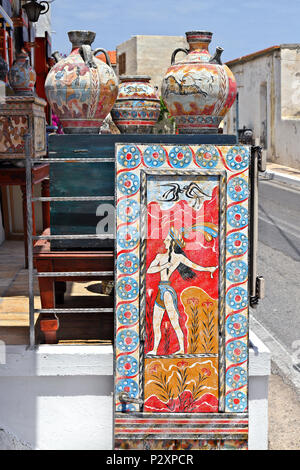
<point x="55" y="412"/>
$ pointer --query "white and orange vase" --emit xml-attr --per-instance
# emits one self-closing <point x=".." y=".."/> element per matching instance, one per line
<point x="198" y="90"/>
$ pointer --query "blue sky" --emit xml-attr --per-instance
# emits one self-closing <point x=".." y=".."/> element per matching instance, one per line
<point x="239" y="26"/>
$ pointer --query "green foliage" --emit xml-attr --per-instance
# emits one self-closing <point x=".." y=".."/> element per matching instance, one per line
<point x="164" y="112"/>
<point x="163" y="109"/>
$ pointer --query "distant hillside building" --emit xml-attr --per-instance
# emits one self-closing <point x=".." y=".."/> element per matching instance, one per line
<point x="148" y="55"/>
<point x="269" y="101"/>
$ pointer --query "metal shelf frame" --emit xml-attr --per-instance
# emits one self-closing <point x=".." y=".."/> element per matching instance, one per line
<point x="30" y="200"/>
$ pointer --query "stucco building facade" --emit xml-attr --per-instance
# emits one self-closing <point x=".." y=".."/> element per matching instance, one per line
<point x="269" y="101"/>
<point x="148" y="55"/>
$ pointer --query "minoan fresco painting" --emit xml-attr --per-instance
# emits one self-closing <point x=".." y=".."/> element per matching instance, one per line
<point x="182" y="253"/>
<point x="181" y="294"/>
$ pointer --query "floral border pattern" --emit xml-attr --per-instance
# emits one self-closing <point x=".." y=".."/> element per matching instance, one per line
<point x="131" y="159"/>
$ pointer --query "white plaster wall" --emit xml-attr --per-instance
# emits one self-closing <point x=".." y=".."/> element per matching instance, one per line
<point x="154" y="55"/>
<point x="280" y="71"/>
<point x="290" y="82"/>
<point x="249" y="77"/>
<point x="287" y="124"/>
<point x="129" y="48"/>
<point x="58" y="413"/>
<point x="259" y="371"/>
<point x="60" y="397"/>
<point x="57" y="397"/>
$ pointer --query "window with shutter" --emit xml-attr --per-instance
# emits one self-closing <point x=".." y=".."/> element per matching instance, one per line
<point x="122" y="63"/>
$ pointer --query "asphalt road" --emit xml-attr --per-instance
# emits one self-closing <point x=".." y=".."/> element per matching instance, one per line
<point x="279" y="262"/>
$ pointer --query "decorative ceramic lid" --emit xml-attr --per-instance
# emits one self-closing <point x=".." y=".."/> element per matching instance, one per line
<point x="135" y="78"/>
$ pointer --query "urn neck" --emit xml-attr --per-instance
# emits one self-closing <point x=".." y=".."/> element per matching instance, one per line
<point x="198" y="40"/>
<point x="80" y="38"/>
<point x="196" y="46"/>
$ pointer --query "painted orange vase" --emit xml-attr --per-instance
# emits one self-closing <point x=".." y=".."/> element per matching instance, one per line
<point x="198" y="90"/>
<point x="81" y="88"/>
<point x="137" y="108"/>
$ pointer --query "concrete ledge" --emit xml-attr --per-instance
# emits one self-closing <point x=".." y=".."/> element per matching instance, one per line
<point x="259" y="371"/>
<point x="259" y="357"/>
<point x="60" y="397"/>
<point x="282" y="178"/>
<point x="283" y="174"/>
<point x="53" y="360"/>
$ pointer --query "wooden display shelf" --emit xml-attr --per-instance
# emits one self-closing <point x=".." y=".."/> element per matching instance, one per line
<point x="52" y="288"/>
<point x="12" y="176"/>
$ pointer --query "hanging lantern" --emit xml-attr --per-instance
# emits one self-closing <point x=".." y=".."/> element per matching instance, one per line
<point x="34" y="9"/>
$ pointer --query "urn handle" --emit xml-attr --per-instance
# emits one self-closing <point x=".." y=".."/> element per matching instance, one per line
<point x="216" y="59"/>
<point x="175" y="52"/>
<point x="56" y="56"/>
<point x="105" y="53"/>
<point x="87" y="54"/>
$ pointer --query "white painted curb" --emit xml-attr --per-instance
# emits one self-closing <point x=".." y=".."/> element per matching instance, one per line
<point x="281" y="177"/>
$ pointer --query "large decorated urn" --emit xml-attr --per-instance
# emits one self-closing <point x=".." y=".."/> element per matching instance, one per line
<point x="137" y="108"/>
<point x="198" y="90"/>
<point x="81" y="88"/>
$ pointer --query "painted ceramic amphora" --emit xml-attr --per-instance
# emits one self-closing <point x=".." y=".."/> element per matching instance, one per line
<point x="22" y="76"/>
<point x="81" y="88"/>
<point x="137" y="108"/>
<point x="198" y="90"/>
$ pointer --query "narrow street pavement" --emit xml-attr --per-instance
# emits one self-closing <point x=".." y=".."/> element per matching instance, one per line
<point x="284" y="416"/>
<point x="276" y="320"/>
<point x="279" y="261"/>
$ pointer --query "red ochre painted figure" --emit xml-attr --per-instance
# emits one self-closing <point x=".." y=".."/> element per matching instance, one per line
<point x="166" y="299"/>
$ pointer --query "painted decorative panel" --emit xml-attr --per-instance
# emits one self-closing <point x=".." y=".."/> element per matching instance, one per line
<point x="182" y="288"/>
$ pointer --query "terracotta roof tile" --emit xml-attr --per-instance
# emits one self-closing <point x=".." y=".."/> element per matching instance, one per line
<point x="112" y="56"/>
<point x="252" y="56"/>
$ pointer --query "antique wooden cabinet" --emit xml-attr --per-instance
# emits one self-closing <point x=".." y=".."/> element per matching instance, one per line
<point x="182" y="294"/>
<point x="20" y="115"/>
